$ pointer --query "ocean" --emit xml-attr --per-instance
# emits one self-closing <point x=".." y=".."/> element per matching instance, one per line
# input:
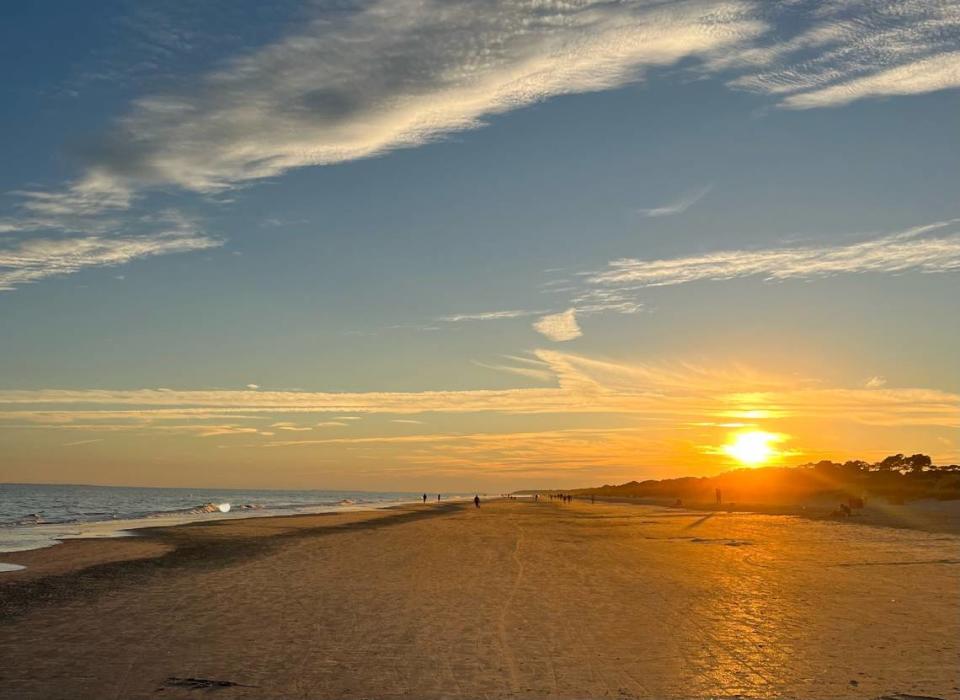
<point x="41" y="515"/>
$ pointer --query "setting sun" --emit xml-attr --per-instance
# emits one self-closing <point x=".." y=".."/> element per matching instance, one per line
<point x="753" y="448"/>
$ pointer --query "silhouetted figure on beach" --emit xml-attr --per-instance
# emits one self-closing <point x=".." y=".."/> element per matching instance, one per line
<point x="476" y="501"/>
<point x="424" y="498"/>
<point x="438" y="498"/>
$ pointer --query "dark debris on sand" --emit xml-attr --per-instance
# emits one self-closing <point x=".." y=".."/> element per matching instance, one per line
<point x="199" y="684"/>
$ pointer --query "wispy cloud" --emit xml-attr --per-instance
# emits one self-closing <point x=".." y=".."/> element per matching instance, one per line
<point x="389" y="75"/>
<point x="559" y="327"/>
<point x="34" y="259"/>
<point x="540" y="372"/>
<point x="930" y="248"/>
<point x="437" y="323"/>
<point x="678" y="206"/>
<point x="208" y="431"/>
<point x="833" y="53"/>
<point x="279" y="222"/>
<point x="912" y="250"/>
<point x="290" y="427"/>
<point x="395" y="74"/>
<point x="487" y="316"/>
<point x="929" y="74"/>
<point x="78" y="208"/>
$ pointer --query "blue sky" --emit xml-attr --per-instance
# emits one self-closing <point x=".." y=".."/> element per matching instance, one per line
<point x="382" y="200"/>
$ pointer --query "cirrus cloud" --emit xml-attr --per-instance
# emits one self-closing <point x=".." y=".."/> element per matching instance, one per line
<point x="915" y="249"/>
<point x="35" y="259"/>
<point x="383" y="75"/>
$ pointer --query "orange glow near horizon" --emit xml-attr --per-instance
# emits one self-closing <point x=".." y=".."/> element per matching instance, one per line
<point x="753" y="448"/>
<point x="600" y="422"/>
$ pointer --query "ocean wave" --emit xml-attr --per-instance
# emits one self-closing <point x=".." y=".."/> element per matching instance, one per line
<point x="32" y="519"/>
<point x="209" y="508"/>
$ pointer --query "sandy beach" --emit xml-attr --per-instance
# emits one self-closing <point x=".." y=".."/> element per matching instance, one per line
<point x="516" y="599"/>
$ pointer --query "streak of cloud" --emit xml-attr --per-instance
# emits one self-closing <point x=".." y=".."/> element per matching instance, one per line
<point x="487" y="316"/>
<point x="911" y="250"/>
<point x="36" y="259"/>
<point x="542" y="375"/>
<point x="678" y="206"/>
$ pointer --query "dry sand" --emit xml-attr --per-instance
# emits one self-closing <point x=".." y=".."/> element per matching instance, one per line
<point x="518" y="599"/>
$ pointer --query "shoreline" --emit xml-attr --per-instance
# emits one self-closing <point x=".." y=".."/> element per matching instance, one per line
<point x="145" y="545"/>
<point x="45" y="535"/>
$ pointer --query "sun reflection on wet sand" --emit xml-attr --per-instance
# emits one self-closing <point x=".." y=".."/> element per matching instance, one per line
<point x="794" y="603"/>
<point x="748" y="623"/>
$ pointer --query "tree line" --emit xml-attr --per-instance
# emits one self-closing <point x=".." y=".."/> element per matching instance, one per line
<point x="896" y="479"/>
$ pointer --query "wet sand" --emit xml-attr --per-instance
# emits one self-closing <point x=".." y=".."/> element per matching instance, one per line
<point x="518" y="599"/>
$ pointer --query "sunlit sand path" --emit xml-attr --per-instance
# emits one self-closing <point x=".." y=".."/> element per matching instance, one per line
<point x="516" y="599"/>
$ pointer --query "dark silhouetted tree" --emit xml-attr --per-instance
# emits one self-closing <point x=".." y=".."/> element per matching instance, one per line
<point x="891" y="463"/>
<point x="854" y="467"/>
<point x="918" y="462"/>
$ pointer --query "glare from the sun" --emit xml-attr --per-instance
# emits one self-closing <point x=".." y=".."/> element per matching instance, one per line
<point x="752" y="448"/>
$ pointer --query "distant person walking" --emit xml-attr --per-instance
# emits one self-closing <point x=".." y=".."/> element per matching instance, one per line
<point x="438" y="498"/>
<point x="476" y="501"/>
<point x="424" y="498"/>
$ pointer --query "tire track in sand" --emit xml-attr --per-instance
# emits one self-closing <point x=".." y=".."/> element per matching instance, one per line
<point x="502" y="635"/>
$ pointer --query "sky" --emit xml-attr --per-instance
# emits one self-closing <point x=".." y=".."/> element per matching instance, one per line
<point x="443" y="246"/>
